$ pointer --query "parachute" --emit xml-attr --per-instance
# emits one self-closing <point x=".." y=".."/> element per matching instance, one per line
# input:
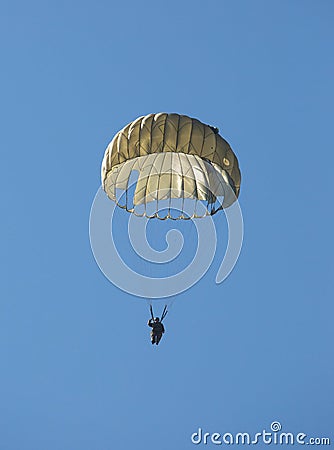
<point x="170" y="166"/>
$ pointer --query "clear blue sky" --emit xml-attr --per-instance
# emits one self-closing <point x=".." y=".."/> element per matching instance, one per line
<point x="77" y="371"/>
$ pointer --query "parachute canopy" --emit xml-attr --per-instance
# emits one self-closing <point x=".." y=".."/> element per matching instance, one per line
<point x="170" y="166"/>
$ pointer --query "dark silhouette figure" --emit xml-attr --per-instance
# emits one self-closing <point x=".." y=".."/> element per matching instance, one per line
<point x="157" y="330"/>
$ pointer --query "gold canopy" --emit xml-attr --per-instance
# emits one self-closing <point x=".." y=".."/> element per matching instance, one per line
<point x="174" y="157"/>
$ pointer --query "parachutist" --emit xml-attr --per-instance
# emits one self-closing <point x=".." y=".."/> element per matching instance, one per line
<point x="156" y="324"/>
<point x="157" y="330"/>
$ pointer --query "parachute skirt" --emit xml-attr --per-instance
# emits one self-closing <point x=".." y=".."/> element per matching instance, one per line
<point x="170" y="186"/>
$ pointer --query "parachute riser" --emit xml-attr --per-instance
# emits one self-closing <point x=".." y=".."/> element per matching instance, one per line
<point x="163" y="315"/>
